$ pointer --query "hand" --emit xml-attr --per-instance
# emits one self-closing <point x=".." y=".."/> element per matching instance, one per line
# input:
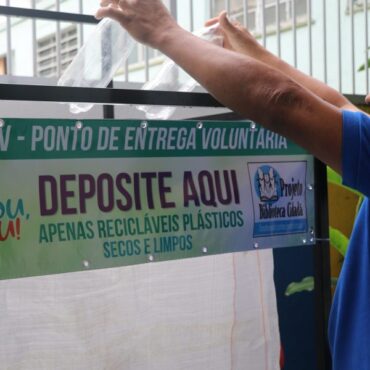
<point x="147" y="21"/>
<point x="236" y="37"/>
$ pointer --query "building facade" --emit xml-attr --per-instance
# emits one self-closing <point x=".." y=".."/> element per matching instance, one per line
<point x="327" y="39"/>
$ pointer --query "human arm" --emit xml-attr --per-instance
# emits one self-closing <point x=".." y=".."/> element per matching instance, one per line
<point x="242" y="83"/>
<point x="239" y="39"/>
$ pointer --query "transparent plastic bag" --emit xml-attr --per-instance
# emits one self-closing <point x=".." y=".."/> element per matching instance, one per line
<point x="172" y="78"/>
<point x="107" y="48"/>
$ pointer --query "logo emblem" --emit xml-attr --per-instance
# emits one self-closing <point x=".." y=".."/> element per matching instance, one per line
<point x="267" y="184"/>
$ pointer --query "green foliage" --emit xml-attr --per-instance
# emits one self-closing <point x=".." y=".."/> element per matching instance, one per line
<point x="362" y="66"/>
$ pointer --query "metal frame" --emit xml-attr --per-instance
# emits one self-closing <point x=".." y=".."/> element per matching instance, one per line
<point x="104" y="96"/>
<point x="80" y="95"/>
<point x="116" y="96"/>
<point x="111" y="96"/>
<point x="322" y="268"/>
<point x="47" y="15"/>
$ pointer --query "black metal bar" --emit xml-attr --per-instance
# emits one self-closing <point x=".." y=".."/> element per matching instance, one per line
<point x="115" y="96"/>
<point x="104" y="96"/>
<point x="47" y="14"/>
<point x="106" y="64"/>
<point x="322" y="268"/>
<point x="356" y="99"/>
<point x="227" y="116"/>
<point x="108" y="110"/>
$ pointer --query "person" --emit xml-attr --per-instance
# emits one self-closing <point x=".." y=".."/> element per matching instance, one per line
<point x="259" y="86"/>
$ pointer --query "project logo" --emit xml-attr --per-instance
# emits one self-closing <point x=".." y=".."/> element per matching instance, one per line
<point x="279" y="201"/>
<point x="267" y="184"/>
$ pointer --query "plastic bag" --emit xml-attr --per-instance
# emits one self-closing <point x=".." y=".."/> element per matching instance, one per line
<point x="172" y="78"/>
<point x="107" y="48"/>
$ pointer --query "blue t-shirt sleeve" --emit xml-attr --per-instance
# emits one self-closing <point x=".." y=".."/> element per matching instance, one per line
<point x="356" y="151"/>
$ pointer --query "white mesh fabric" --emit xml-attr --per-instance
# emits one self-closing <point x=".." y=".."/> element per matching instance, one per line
<point x="216" y="312"/>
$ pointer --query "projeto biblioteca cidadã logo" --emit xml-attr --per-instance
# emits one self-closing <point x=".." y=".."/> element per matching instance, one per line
<point x="267" y="184"/>
<point x="279" y="202"/>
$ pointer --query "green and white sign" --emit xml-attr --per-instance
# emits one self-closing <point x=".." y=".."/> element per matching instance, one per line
<point x="99" y="194"/>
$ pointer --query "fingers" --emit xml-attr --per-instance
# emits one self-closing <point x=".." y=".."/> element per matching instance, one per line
<point x="225" y="23"/>
<point x="110" y="12"/>
<point x="211" y="22"/>
<point x="214" y="20"/>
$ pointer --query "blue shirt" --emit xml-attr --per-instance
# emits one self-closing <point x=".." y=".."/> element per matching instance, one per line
<point x="349" y="325"/>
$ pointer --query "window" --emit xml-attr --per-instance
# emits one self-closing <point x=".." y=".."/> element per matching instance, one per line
<point x="47" y="58"/>
<point x="138" y="54"/>
<point x="358" y="5"/>
<point x="256" y="14"/>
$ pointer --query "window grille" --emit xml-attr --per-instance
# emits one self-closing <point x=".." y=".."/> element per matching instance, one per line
<point x="355" y="6"/>
<point x="257" y="16"/>
<point x="47" y="58"/>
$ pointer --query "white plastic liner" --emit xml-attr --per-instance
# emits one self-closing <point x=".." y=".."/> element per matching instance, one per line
<point x="216" y="312"/>
<point x="108" y="48"/>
